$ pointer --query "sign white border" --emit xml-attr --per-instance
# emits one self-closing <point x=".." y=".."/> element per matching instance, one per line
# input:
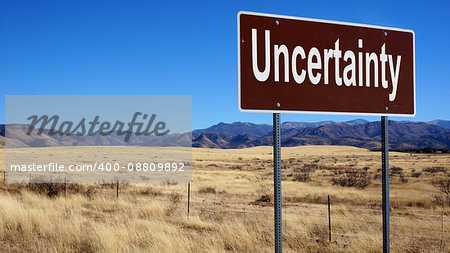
<point x="327" y="22"/>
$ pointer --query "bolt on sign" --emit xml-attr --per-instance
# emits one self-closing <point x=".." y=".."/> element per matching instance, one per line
<point x="298" y="65"/>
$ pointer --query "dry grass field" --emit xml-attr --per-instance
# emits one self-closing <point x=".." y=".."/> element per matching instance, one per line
<point x="231" y="206"/>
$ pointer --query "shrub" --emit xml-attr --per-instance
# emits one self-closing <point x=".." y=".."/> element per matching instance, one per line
<point x="108" y="185"/>
<point x="442" y="185"/>
<point x="302" y="177"/>
<point x="208" y="189"/>
<point x="222" y="192"/>
<point x="89" y="193"/>
<point x="169" y="182"/>
<point x="402" y="178"/>
<point x="174" y="203"/>
<point x="262" y="178"/>
<point x="428" y="150"/>
<point x="438" y="200"/>
<point x="435" y="169"/>
<point x="315" y="198"/>
<point x="174" y="198"/>
<point x="74" y="188"/>
<point x="319" y="233"/>
<point x="150" y="191"/>
<point x="236" y="167"/>
<point x="307" y="168"/>
<point x="57" y="189"/>
<point x="49" y="189"/>
<point x="264" y="198"/>
<point x="416" y="174"/>
<point x="395" y="170"/>
<point x="377" y="176"/>
<point x="444" y="150"/>
<point x="352" y="178"/>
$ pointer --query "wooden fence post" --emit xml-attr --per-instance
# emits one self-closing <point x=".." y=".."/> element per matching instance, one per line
<point x="189" y="198"/>
<point x="329" y="219"/>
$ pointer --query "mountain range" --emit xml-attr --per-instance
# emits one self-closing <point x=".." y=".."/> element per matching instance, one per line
<point x="359" y="133"/>
<point x="17" y="138"/>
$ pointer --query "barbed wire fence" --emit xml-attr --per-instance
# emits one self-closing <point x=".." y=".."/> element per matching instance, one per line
<point x="343" y="216"/>
<point x="340" y="224"/>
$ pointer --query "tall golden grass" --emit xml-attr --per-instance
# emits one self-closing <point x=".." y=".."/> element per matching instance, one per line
<point x="226" y="215"/>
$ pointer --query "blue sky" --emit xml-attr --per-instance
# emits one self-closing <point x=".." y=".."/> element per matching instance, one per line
<point x="189" y="48"/>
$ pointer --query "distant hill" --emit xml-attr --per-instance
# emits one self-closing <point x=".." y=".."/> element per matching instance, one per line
<point x="288" y="125"/>
<point x="442" y="123"/>
<point x="17" y="138"/>
<point x="358" y="133"/>
<point x="259" y="130"/>
<point x="356" y="122"/>
<point x="237" y="128"/>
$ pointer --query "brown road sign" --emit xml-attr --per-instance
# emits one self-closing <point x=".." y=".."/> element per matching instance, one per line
<point x="299" y="65"/>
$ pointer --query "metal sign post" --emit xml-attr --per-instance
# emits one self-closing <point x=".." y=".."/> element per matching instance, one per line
<point x="189" y="199"/>
<point x="277" y="182"/>
<point x="385" y="183"/>
<point x="262" y="40"/>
